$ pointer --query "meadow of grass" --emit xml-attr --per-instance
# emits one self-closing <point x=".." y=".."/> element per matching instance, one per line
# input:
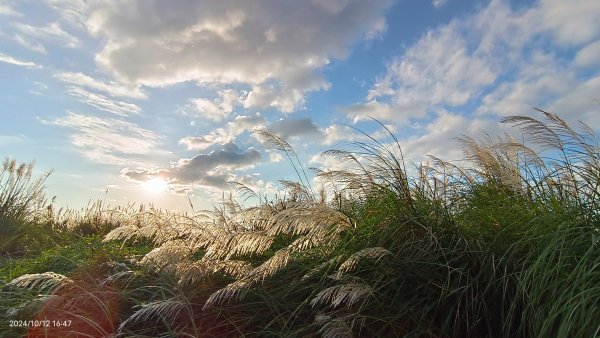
<point x="507" y="244"/>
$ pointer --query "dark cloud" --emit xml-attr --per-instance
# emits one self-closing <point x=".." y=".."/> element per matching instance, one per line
<point x="214" y="169"/>
<point x="206" y="165"/>
<point x="289" y="128"/>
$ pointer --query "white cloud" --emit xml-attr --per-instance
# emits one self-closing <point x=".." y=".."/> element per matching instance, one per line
<point x="572" y="22"/>
<point x="438" y="3"/>
<point x="246" y="122"/>
<point x="337" y="132"/>
<point x="533" y="86"/>
<point x="498" y="53"/>
<point x="398" y="112"/>
<point x="110" y="87"/>
<point x="31" y="45"/>
<point x="71" y="12"/>
<point x="225" y="135"/>
<point x="10" y="139"/>
<point x="276" y="48"/>
<point x="219" y="108"/>
<point x="51" y="32"/>
<point x="283" y="99"/>
<point x="219" y="136"/>
<point x="13" y="61"/>
<point x="275" y="157"/>
<point x="580" y="102"/>
<point x="440" y="69"/>
<point x="284" y="128"/>
<point x="109" y="140"/>
<point x="589" y="56"/>
<point x="438" y="138"/>
<point x="103" y="103"/>
<point x="7" y="10"/>
<point x="377" y="30"/>
<point x="562" y="91"/>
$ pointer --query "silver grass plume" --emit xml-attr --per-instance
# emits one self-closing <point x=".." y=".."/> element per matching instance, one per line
<point x="333" y="328"/>
<point x="348" y="294"/>
<point x="43" y="282"/>
<point x="163" y="309"/>
<point x="374" y="253"/>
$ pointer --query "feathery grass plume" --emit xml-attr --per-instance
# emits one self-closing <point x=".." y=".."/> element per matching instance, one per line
<point x="347" y="293"/>
<point x="489" y="164"/>
<point x="246" y="192"/>
<point x="189" y="271"/>
<point x="333" y="328"/>
<point x="325" y="265"/>
<point x="43" y="282"/>
<point x="304" y="218"/>
<point x="259" y="217"/>
<point x="315" y="230"/>
<point x="158" y="226"/>
<point x="235" y="290"/>
<point x="443" y="184"/>
<point x="572" y="171"/>
<point x="195" y="271"/>
<point x="316" y="224"/>
<point x="163" y="310"/>
<point x="242" y="244"/>
<point x="539" y="132"/>
<point x="168" y="254"/>
<point x="125" y="232"/>
<point x="283" y="146"/>
<point x="378" y="165"/>
<point x="271" y="266"/>
<point x="376" y="254"/>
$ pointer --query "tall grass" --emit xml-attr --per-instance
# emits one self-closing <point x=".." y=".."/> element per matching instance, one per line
<point x="21" y="200"/>
<point x="506" y="245"/>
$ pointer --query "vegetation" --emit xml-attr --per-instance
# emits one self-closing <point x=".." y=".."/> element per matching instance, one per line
<point x="505" y="246"/>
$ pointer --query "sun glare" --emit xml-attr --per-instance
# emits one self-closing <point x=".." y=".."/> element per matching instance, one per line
<point x="155" y="185"/>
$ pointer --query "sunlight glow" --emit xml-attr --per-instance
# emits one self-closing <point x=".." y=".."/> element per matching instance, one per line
<point x="155" y="185"/>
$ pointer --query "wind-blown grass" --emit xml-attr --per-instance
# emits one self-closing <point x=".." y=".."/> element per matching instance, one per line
<point x="507" y="245"/>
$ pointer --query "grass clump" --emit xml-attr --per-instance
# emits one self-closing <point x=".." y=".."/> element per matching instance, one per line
<point x="22" y="202"/>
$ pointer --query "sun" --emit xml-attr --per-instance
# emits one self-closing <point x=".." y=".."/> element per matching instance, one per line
<point x="155" y="185"/>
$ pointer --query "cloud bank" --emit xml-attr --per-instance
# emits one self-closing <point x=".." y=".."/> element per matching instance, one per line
<point x="276" y="48"/>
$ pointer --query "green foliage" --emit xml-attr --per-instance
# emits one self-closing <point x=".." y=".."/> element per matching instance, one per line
<point x="65" y="259"/>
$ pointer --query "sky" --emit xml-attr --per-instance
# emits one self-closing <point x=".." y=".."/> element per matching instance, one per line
<point x="152" y="101"/>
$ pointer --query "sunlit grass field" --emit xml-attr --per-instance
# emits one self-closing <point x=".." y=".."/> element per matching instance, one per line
<point x="506" y="244"/>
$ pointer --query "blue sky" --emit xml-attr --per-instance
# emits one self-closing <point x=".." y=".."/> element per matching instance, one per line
<point x="157" y="100"/>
